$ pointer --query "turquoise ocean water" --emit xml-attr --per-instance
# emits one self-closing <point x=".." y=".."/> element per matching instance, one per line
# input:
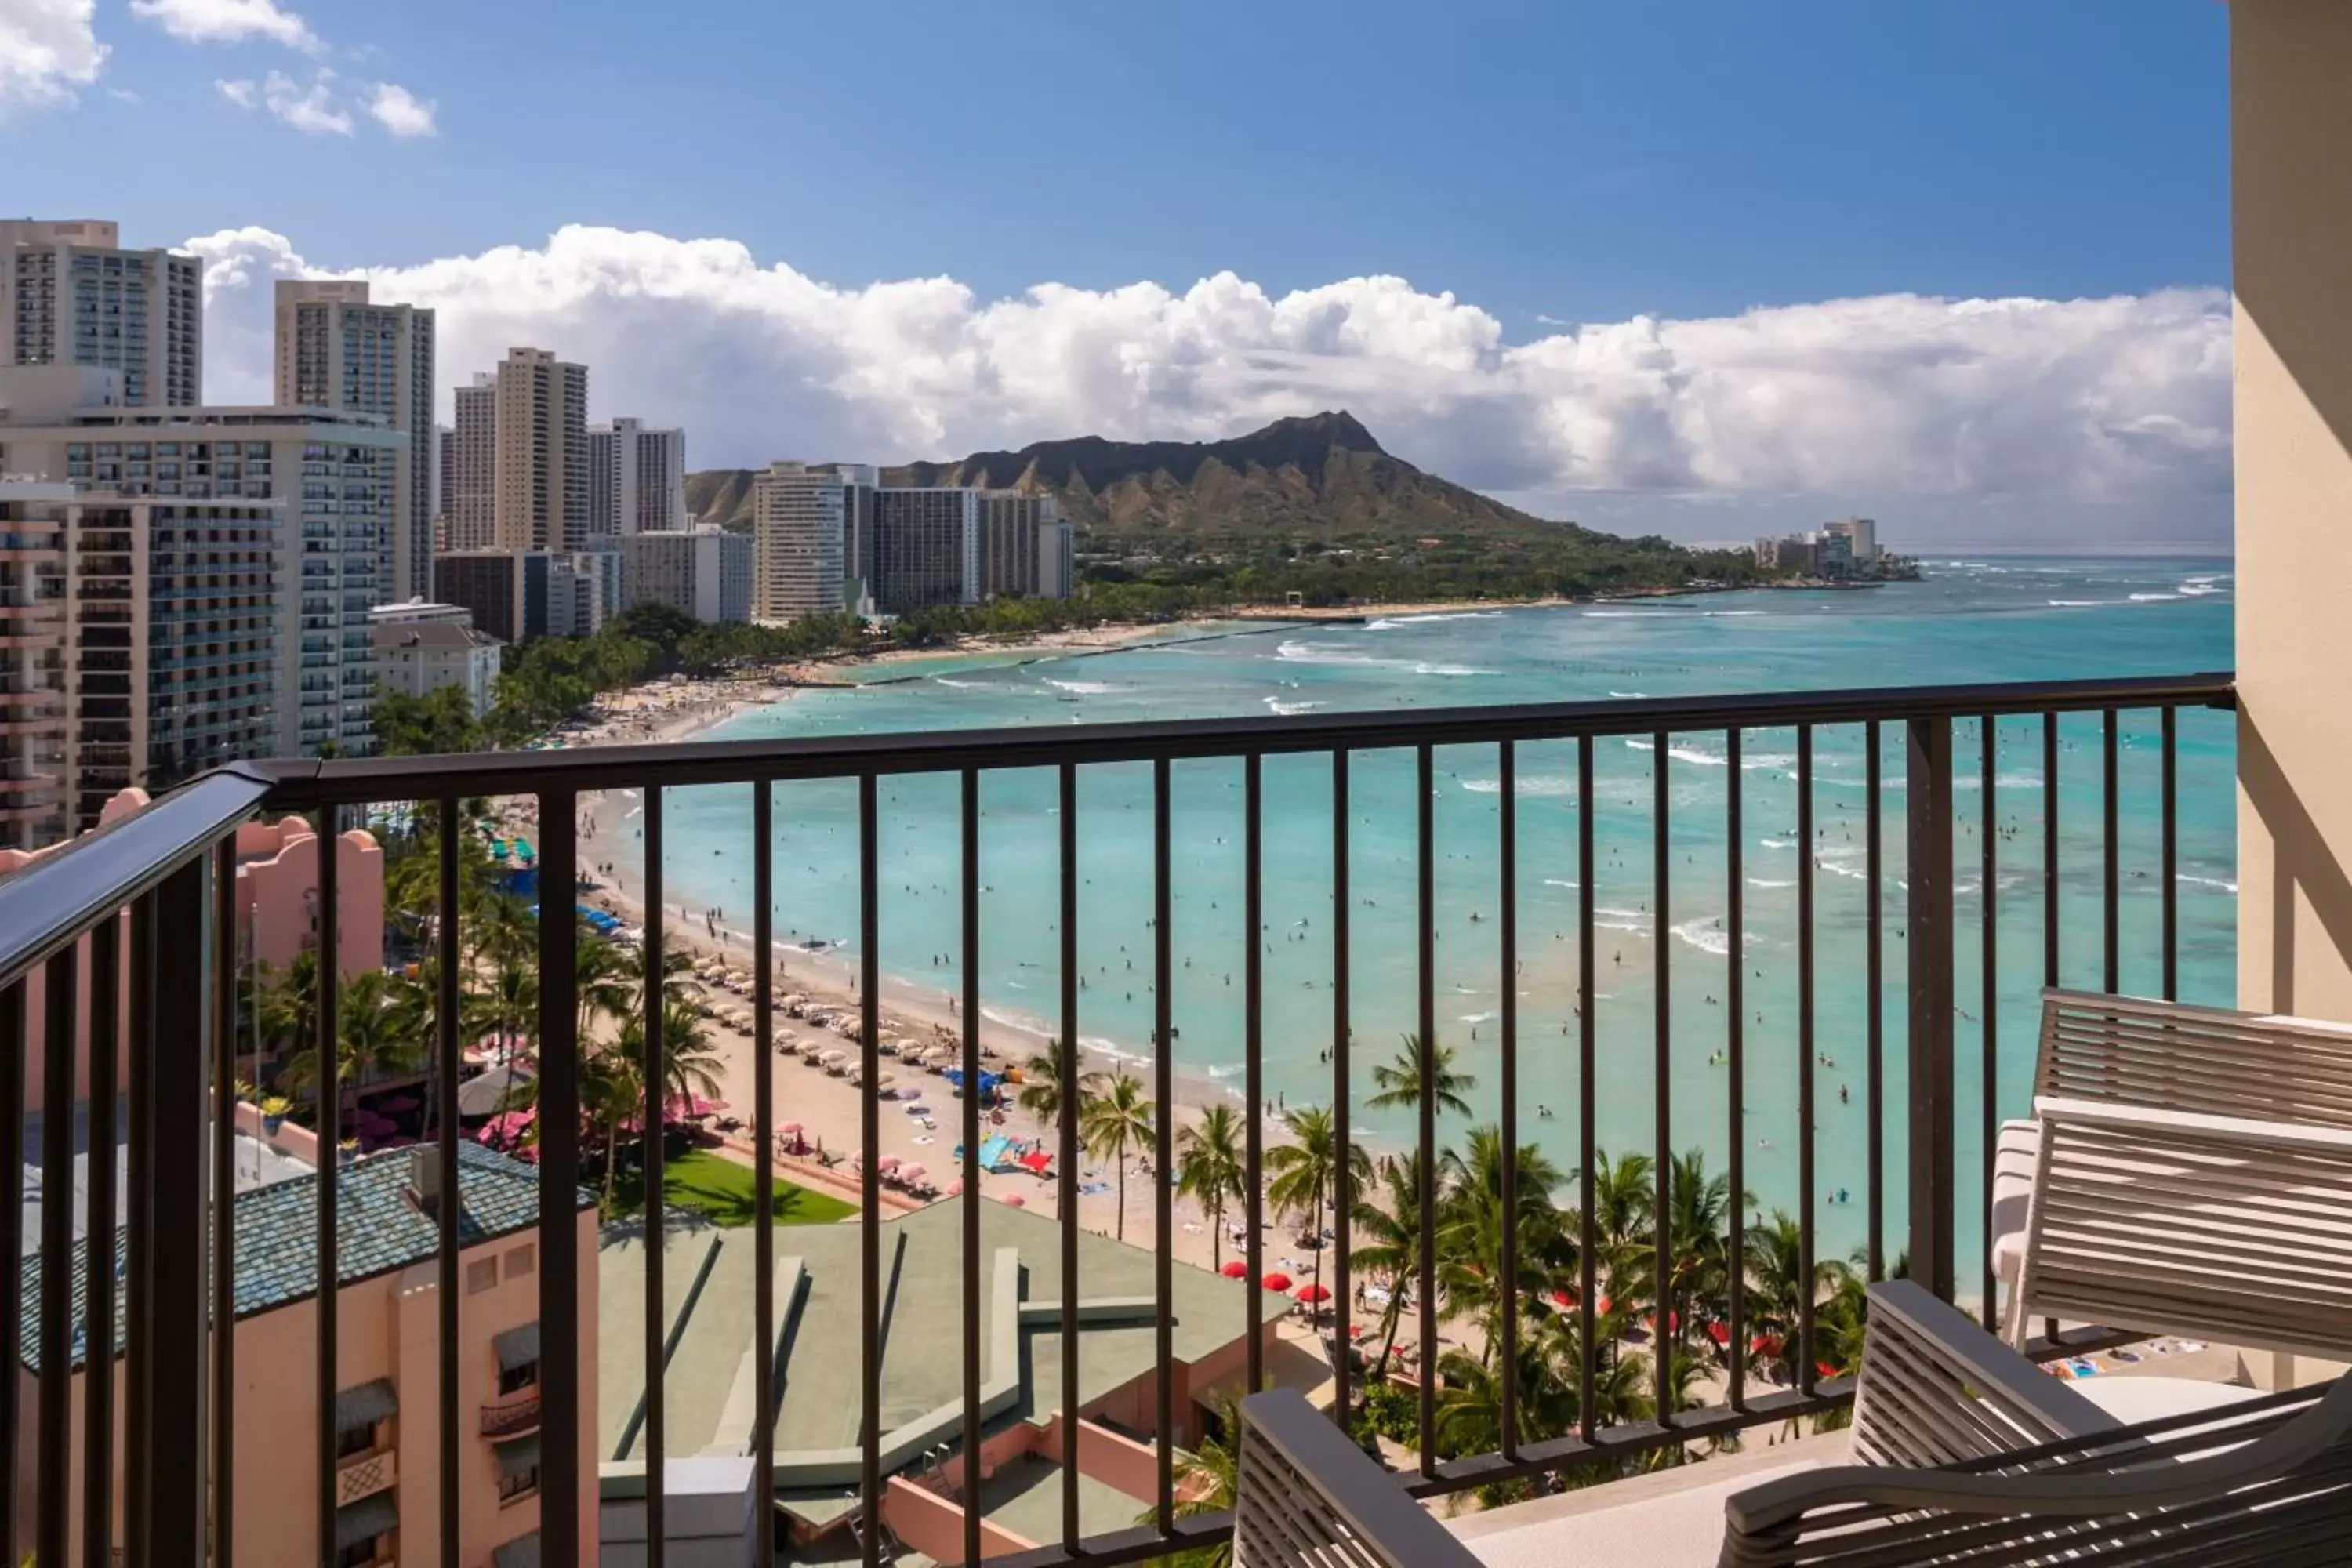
<point x="1970" y="620"/>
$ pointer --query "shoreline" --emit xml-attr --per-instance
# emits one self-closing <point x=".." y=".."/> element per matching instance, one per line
<point x="829" y="1109"/>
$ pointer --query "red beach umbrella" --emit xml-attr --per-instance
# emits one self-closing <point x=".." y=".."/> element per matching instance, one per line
<point x="1313" y="1293"/>
<point x="1236" y="1268"/>
<point x="1277" y="1280"/>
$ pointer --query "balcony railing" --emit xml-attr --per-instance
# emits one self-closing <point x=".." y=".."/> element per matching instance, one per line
<point x="364" y="1475"/>
<point x="169" y="867"/>
<point x="512" y="1419"/>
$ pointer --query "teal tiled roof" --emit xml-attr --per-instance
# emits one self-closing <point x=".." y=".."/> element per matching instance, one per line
<point x="377" y="1230"/>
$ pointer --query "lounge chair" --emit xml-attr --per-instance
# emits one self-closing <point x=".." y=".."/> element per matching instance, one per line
<point x="1966" y="1453"/>
<point x="2187" y="1170"/>
<point x="1969" y="1453"/>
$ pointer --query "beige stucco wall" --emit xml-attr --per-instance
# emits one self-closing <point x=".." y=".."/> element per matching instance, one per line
<point x="2290" y="152"/>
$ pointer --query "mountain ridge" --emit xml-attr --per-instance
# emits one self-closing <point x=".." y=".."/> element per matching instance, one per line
<point x="1308" y="475"/>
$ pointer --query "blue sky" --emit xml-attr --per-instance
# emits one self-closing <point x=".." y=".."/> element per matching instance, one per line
<point x="1553" y="166"/>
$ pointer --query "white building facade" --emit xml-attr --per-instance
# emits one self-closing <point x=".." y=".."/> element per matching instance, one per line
<point x="420" y="657"/>
<point x="333" y="474"/>
<point x="636" y="480"/>
<point x="336" y="349"/>
<point x="70" y="295"/>
<point x="797" y="534"/>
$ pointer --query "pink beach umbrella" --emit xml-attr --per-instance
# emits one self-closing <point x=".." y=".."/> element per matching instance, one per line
<point x="789" y="1130"/>
<point x="887" y="1162"/>
<point x="1016" y="1200"/>
<point x="912" y="1171"/>
<point x="955" y="1189"/>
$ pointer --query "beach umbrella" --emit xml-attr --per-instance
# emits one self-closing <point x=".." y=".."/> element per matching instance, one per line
<point x="887" y="1162"/>
<point x="488" y="1092"/>
<point x="1015" y="1201"/>
<point x="790" y="1129"/>
<point x="913" y="1173"/>
<point x="1236" y="1268"/>
<point x="1277" y="1280"/>
<point x="954" y="1189"/>
<point x="1312" y="1294"/>
<point x="1038" y="1160"/>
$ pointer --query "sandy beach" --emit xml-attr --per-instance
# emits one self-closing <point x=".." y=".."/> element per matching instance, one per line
<point x="919" y="1116"/>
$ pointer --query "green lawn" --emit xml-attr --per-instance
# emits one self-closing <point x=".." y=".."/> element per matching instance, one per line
<point x="724" y="1191"/>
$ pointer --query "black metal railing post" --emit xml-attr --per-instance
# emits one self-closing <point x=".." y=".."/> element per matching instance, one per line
<point x="178" y="1199"/>
<point x="1928" y="788"/>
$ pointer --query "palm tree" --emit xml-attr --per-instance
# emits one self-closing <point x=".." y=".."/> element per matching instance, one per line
<point x="1205" y="1480"/>
<point x="369" y="1040"/>
<point x="1623" y="1200"/>
<point x="285" y="1003"/>
<point x="612" y="1092"/>
<point x="506" y="1007"/>
<point x="604" y="969"/>
<point x="689" y="1067"/>
<point x="1471" y="1228"/>
<point x="1775" y="1294"/>
<point x="1388" y="1241"/>
<point x="1112" y="1122"/>
<point x="1209" y="1168"/>
<point x="1311" y="1170"/>
<point x="1042" y="1077"/>
<point x="1399" y="1082"/>
<point x="1698" y="1214"/>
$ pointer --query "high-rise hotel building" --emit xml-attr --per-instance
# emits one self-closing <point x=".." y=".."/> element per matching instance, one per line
<point x="926" y="548"/>
<point x="470" y="474"/>
<point x="797" y="539"/>
<point x="336" y="349"/>
<point x="332" y="474"/>
<point x="636" y="480"/>
<point x="70" y="295"/>
<point x="540" y="482"/>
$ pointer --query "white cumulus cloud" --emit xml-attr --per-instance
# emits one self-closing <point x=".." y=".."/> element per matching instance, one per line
<point x="401" y="111"/>
<point x="47" y="49"/>
<point x="229" y="22"/>
<point x="310" y="109"/>
<point x="2120" y="402"/>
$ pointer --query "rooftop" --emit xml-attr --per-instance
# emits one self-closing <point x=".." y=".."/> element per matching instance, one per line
<point x="707" y="1282"/>
<point x="379" y="1230"/>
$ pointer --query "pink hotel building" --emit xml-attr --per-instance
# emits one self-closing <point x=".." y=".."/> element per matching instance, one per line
<point x="388" y="1341"/>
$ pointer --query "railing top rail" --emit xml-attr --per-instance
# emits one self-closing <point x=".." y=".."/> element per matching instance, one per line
<point x="355" y="780"/>
<point x="48" y="903"/>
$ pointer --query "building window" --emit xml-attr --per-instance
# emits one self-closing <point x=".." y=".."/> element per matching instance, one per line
<point x="520" y="1261"/>
<point x="481" y="1275"/>
<point x="353" y="1441"/>
<point x="515" y="1379"/>
<point x="520" y="1485"/>
<point x="361" y="1553"/>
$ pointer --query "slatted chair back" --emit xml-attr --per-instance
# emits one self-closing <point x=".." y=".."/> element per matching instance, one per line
<point x="1971" y="1454"/>
<point x="2213" y="1061"/>
<point x="2193" y="1176"/>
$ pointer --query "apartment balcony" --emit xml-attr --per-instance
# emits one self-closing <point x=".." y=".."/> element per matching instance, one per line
<point x="364" y="1475"/>
<point x="1928" y="1094"/>
<point x="511" y="1417"/>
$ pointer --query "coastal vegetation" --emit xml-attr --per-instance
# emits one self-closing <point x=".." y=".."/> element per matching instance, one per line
<point x="386" y="1028"/>
<point x="1309" y="1176"/>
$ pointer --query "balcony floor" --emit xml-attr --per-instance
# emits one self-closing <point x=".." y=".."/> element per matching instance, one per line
<point x="1668" y="1519"/>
